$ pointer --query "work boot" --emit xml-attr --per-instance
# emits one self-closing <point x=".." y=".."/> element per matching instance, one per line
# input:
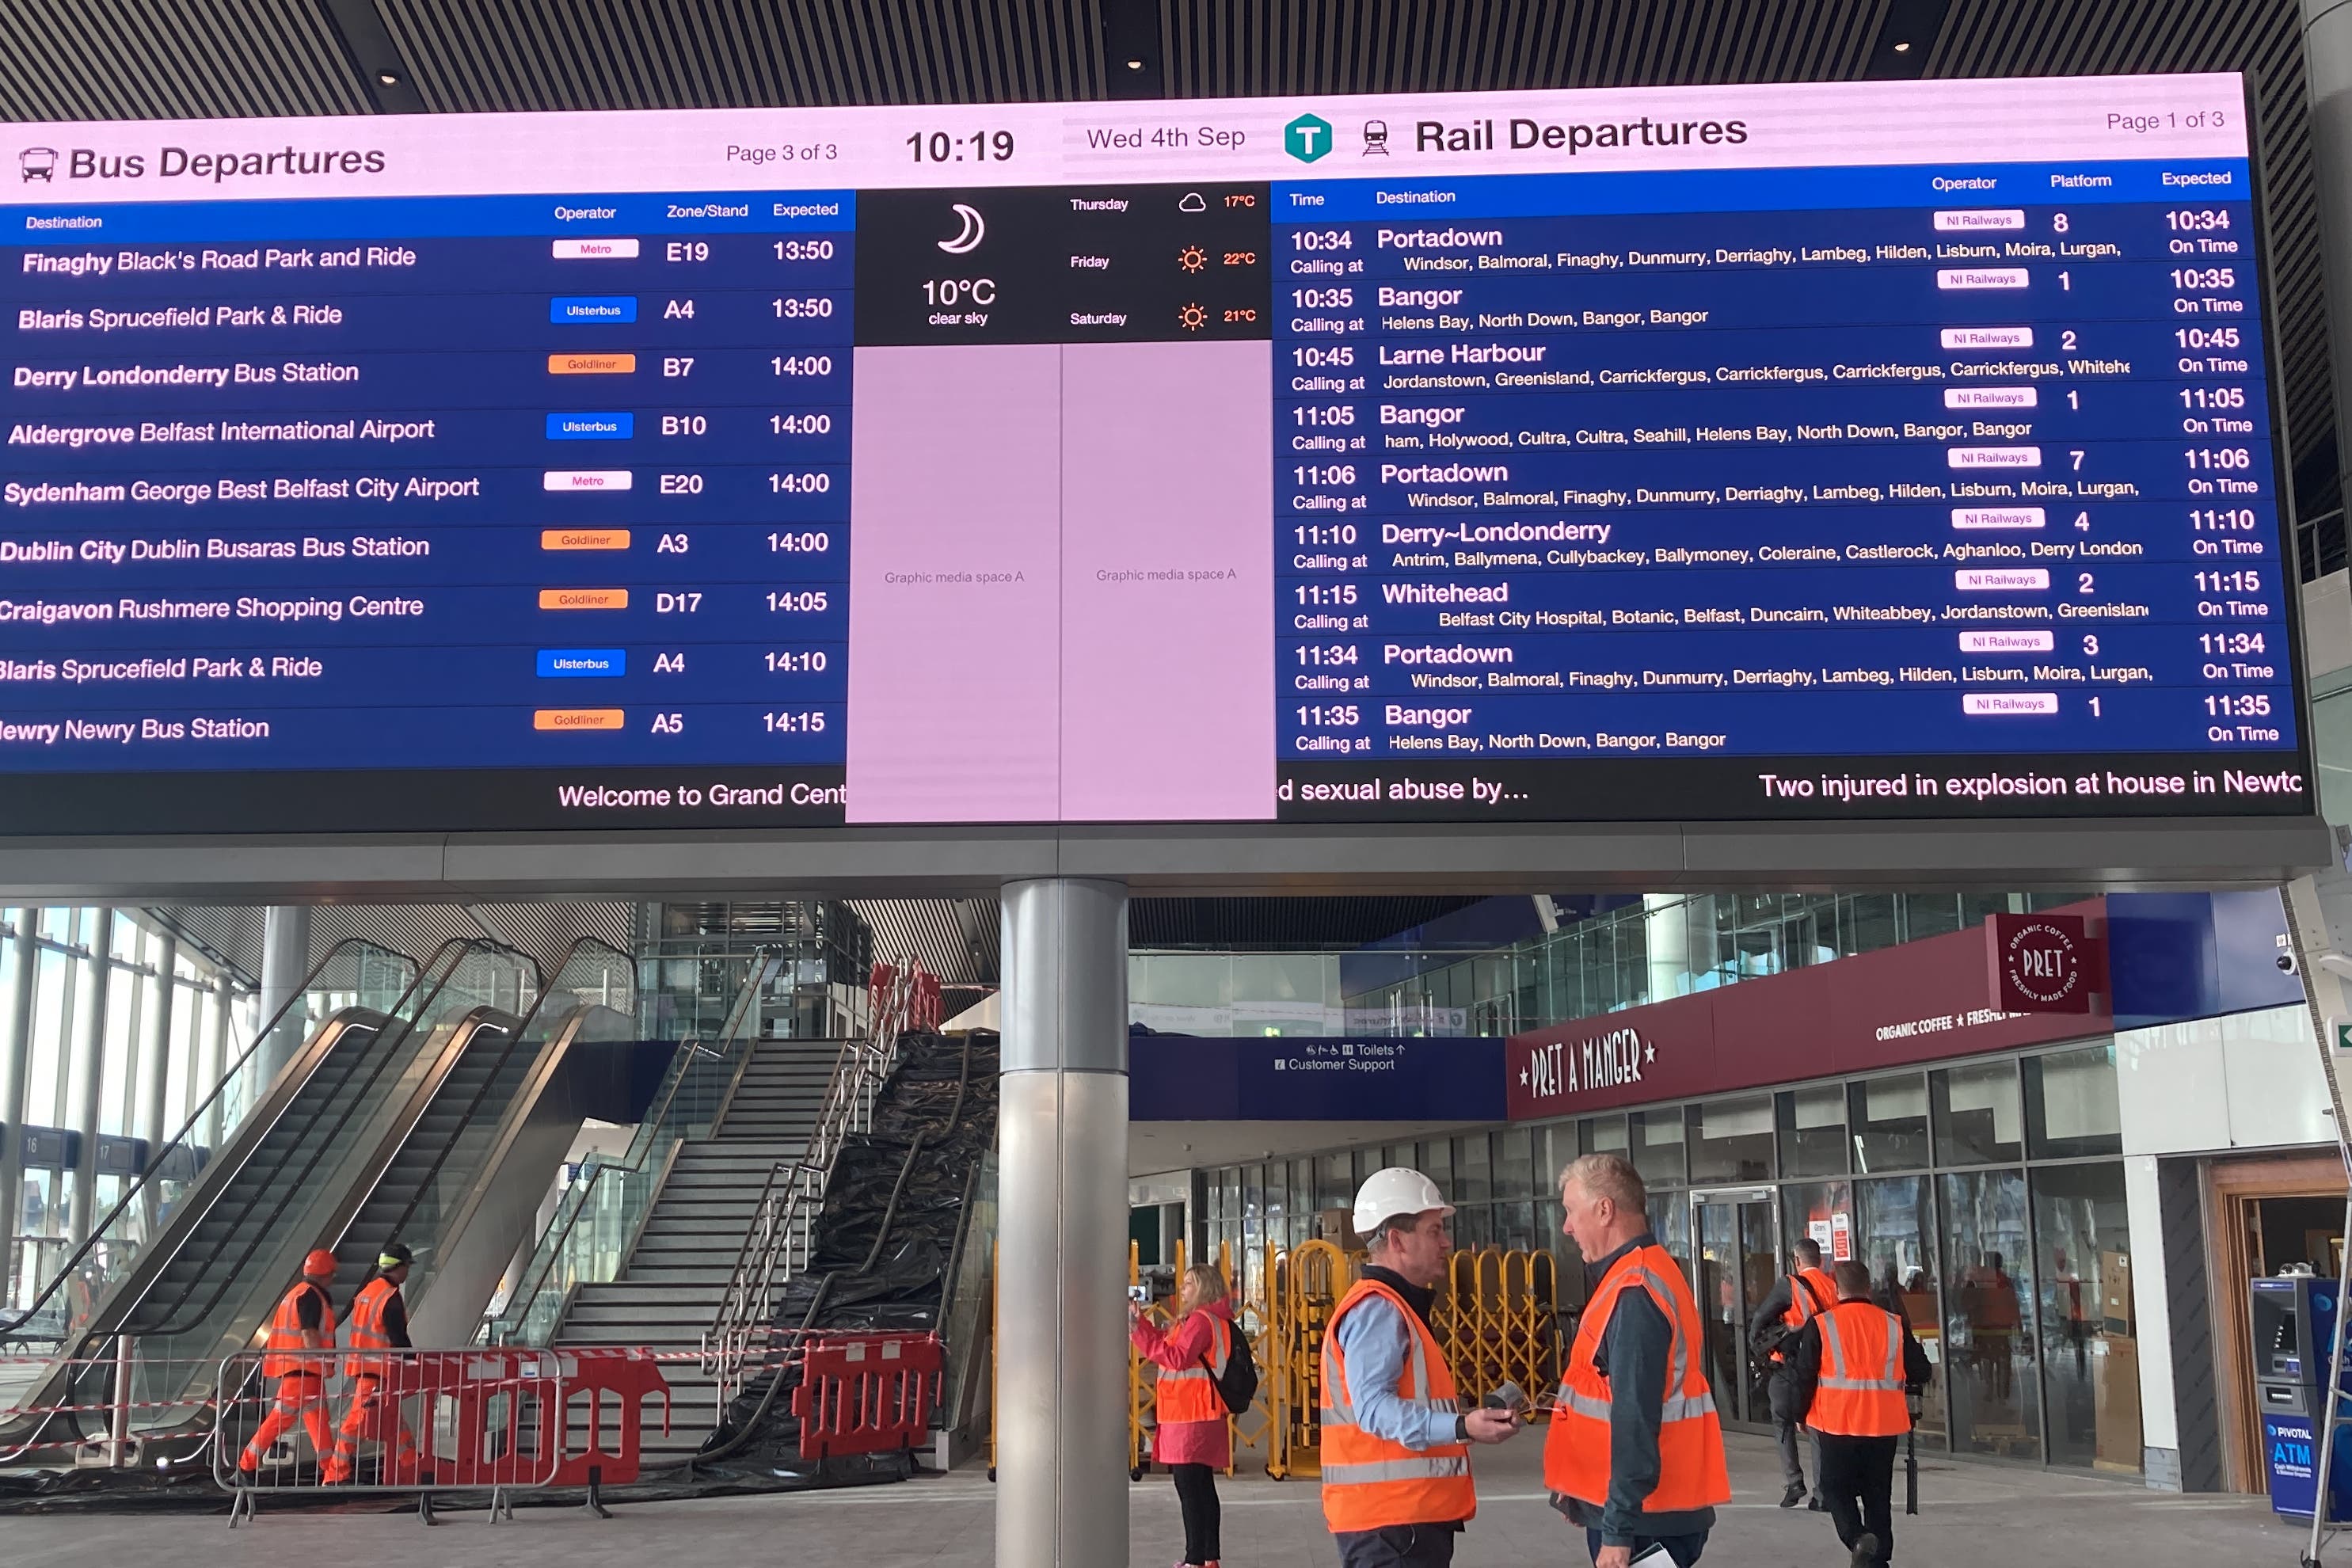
<point x="1794" y="1495"/>
<point x="1866" y="1551"/>
<point x="1815" y="1505"/>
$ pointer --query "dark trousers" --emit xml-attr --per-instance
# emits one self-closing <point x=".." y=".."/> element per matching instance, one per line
<point x="1682" y="1551"/>
<point x="1196" y="1494"/>
<point x="1787" y="1422"/>
<point x="1398" y="1546"/>
<point x="1858" y="1484"/>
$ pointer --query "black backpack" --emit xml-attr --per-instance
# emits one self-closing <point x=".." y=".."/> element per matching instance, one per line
<point x="1237" y="1385"/>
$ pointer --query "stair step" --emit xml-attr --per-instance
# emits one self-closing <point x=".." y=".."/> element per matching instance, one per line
<point x="636" y="1294"/>
<point x="712" y="1278"/>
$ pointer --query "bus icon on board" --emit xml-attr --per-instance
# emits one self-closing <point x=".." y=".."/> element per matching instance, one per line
<point x="37" y="164"/>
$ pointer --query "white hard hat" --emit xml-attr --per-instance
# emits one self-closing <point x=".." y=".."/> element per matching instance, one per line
<point x="1395" y="1190"/>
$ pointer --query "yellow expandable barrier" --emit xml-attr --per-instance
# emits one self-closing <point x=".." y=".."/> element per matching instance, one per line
<point x="1303" y="1289"/>
<point x="1497" y="1318"/>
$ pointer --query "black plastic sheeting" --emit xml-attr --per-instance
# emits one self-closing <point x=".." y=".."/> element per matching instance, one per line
<point x="883" y="1245"/>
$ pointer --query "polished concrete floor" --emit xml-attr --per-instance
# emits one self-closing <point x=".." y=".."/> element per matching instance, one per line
<point x="1971" y="1516"/>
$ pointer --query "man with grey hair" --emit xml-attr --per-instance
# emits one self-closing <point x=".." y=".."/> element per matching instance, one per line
<point x="1635" y="1450"/>
<point x="1395" y="1440"/>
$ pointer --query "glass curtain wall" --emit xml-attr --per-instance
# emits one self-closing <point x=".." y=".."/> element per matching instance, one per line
<point x="1984" y="1198"/>
<point x="1647" y="951"/>
<point x="118" y="1047"/>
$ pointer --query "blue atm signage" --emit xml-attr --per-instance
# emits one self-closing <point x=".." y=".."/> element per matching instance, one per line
<point x="1183" y="1078"/>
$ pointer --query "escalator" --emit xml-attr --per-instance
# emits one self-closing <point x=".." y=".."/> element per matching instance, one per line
<point x="494" y="1122"/>
<point x="177" y="1279"/>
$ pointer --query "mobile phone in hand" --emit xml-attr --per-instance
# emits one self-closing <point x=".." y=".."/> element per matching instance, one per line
<point x="1655" y="1552"/>
<point x="1506" y="1396"/>
<point x="1139" y="1294"/>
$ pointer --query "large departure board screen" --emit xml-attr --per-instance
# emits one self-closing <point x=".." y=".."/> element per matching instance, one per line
<point x="1882" y="450"/>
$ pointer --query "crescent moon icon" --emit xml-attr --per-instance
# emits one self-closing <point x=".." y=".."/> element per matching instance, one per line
<point x="975" y="229"/>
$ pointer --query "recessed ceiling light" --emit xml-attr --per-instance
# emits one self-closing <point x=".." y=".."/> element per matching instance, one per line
<point x="1901" y="49"/>
<point x="388" y="78"/>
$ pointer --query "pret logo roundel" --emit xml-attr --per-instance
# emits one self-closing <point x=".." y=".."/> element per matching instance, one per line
<point x="2042" y="963"/>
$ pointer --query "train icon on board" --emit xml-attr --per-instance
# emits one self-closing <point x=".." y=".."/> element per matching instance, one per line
<point x="37" y="164"/>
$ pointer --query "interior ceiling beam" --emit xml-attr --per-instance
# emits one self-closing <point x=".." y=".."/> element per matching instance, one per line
<point x="1905" y="38"/>
<point x="383" y="74"/>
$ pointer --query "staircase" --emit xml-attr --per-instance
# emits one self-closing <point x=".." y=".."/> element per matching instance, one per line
<point x="670" y="1289"/>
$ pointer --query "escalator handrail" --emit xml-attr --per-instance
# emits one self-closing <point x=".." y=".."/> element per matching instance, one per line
<point x="135" y="1192"/>
<point x="552" y="1242"/>
<point x="579" y="1009"/>
<point x="288" y="1191"/>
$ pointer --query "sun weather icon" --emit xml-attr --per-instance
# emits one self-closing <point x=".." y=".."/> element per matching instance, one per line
<point x="1192" y="318"/>
<point x="1191" y="258"/>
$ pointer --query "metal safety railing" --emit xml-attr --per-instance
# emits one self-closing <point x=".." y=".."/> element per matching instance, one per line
<point x="776" y="1248"/>
<point x="420" y="1422"/>
<point x="114" y="1401"/>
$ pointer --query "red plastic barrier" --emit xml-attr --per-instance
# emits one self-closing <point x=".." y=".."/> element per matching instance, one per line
<point x="528" y="1417"/>
<point x="604" y="1391"/>
<point x="867" y="1396"/>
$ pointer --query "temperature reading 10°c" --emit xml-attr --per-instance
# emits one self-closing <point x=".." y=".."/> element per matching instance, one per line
<point x="960" y="291"/>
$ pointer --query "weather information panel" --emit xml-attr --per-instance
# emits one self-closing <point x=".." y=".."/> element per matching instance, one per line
<point x="1646" y="455"/>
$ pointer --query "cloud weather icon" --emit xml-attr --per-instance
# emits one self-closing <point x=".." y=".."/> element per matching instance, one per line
<point x="975" y="229"/>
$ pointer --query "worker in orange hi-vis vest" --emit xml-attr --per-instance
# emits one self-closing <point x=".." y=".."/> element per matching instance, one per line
<point x="1635" y="1450"/>
<point x="299" y="1355"/>
<point x="379" y="1324"/>
<point x="1859" y="1371"/>
<point x="1795" y="1301"/>
<point x="1397" y="1489"/>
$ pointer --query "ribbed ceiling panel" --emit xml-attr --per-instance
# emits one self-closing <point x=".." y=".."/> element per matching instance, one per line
<point x="145" y="59"/>
<point x="955" y="939"/>
<point x="1235" y="49"/>
<point x="710" y="54"/>
<point x="2261" y="37"/>
<point x="546" y="931"/>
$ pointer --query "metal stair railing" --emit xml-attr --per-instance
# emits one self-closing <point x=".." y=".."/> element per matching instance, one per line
<point x="574" y="1250"/>
<point x="776" y="1248"/>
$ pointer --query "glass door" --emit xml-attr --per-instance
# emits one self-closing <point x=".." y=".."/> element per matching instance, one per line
<point x="1738" y="1261"/>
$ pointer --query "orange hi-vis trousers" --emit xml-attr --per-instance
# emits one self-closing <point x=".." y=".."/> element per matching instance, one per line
<point x="374" y="1415"/>
<point x="301" y="1399"/>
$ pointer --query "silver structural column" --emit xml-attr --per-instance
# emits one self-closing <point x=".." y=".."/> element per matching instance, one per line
<point x="285" y="965"/>
<point x="213" y="1061"/>
<point x="1061" y="1318"/>
<point x="86" y="1070"/>
<point x="15" y="1063"/>
<point x="155" y="1045"/>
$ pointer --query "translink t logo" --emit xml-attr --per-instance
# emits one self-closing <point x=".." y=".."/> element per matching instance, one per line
<point x="1307" y="138"/>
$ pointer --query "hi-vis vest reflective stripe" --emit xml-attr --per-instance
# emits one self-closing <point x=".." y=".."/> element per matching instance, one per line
<point x="1861" y="1391"/>
<point x="1372" y="1483"/>
<point x="1192" y="1395"/>
<point x="367" y="1329"/>
<point x="286" y="1334"/>
<point x="1805" y="1305"/>
<point x="1691" y="1472"/>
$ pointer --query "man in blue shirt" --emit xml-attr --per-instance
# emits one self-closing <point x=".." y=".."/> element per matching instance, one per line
<point x="1396" y="1470"/>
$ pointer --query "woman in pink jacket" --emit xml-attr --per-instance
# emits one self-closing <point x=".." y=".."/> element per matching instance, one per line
<point x="1193" y="1440"/>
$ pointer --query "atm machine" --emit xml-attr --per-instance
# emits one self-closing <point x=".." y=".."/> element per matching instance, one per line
<point x="2293" y="1320"/>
